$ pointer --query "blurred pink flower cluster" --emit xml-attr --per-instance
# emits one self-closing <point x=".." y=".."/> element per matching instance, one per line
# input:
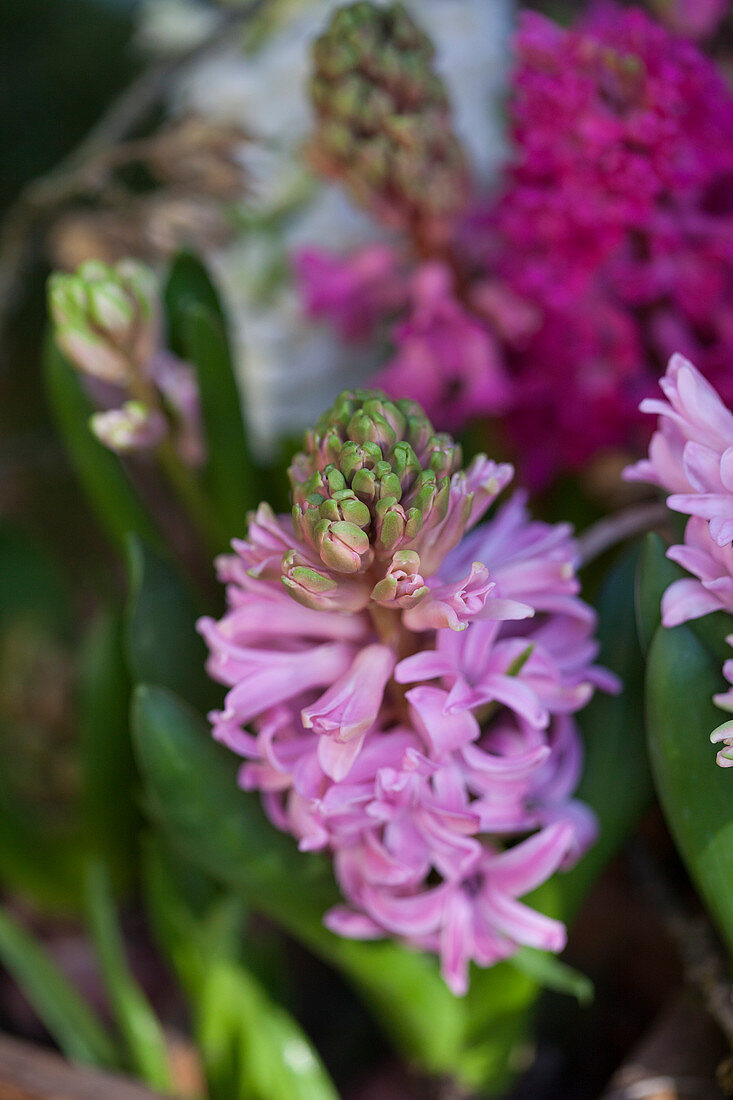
<point x="609" y="247"/>
<point x="410" y="676"/>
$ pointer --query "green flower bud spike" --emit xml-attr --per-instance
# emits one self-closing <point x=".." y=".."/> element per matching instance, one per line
<point x="383" y="120"/>
<point x="360" y="490"/>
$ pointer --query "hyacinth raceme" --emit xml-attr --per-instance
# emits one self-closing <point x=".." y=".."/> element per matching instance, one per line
<point x="691" y="458"/>
<point x="107" y="323"/>
<point x="616" y="225"/>
<point x="608" y="248"/>
<point x="383" y="120"/>
<point x="402" y="684"/>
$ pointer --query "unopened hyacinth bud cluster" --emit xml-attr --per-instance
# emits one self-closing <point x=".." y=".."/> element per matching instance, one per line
<point x="107" y="323"/>
<point x="383" y="119"/>
<point x="402" y="684"/>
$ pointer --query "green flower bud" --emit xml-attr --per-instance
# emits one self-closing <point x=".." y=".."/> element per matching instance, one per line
<point x="105" y="318"/>
<point x="343" y="546"/>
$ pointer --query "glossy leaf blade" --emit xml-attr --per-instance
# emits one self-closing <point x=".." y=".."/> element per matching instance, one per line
<point x="253" y="1049"/>
<point x="67" y="1016"/>
<point x="162" y="645"/>
<point x="188" y="283"/>
<point x="696" y="795"/>
<point x="616" y="782"/>
<point x="108" y="767"/>
<point x="229" y="475"/>
<point x="138" y="1024"/>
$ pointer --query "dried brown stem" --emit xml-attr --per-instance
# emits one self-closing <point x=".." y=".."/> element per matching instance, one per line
<point x="84" y="171"/>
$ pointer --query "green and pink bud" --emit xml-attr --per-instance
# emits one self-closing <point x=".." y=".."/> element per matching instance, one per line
<point x="106" y="318"/>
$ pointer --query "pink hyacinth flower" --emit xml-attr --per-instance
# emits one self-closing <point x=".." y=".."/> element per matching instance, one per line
<point x="410" y="710"/>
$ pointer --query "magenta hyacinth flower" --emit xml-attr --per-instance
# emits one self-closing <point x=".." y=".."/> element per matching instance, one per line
<point x="403" y="680"/>
<point x="445" y="355"/>
<point x="691" y="457"/>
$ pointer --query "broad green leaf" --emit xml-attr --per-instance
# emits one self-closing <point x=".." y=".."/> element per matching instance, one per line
<point x="229" y="475"/>
<point x="188" y="284"/>
<point x="161" y="642"/>
<point x="252" y="1048"/>
<point x="191" y="793"/>
<point x="616" y="781"/>
<point x="696" y="795"/>
<point x="549" y="972"/>
<point x="108" y="768"/>
<point x="110" y="492"/>
<point x="654" y="576"/>
<point x="64" y="1013"/>
<point x="190" y="934"/>
<point x="142" y="1033"/>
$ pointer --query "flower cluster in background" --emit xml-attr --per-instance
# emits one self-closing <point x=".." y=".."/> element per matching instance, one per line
<point x="609" y="246"/>
<point x="259" y="81"/>
<point x="691" y="458"/>
<point x="411" y="676"/>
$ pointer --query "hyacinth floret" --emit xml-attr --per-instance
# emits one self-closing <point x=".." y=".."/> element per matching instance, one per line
<point x="402" y="682"/>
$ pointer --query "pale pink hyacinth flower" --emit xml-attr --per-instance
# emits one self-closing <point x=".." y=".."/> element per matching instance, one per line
<point x="691" y="456"/>
<point x="691" y="453"/>
<point x="403" y="681"/>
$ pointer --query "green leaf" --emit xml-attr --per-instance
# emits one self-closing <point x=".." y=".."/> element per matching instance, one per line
<point x="138" y="1024"/>
<point x="682" y="677"/>
<point x="162" y="644"/>
<point x="190" y="934"/>
<point x="252" y="1048"/>
<point x="192" y="794"/>
<point x="108" y="768"/>
<point x="188" y="284"/>
<point x="229" y="476"/>
<point x="616" y="781"/>
<point x="654" y="576"/>
<point x="64" y="1013"/>
<point x="106" y="485"/>
<point x="549" y="972"/>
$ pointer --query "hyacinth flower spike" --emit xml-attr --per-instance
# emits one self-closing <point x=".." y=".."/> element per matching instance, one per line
<point x="691" y="456"/>
<point x="107" y="323"/>
<point x="402" y="679"/>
